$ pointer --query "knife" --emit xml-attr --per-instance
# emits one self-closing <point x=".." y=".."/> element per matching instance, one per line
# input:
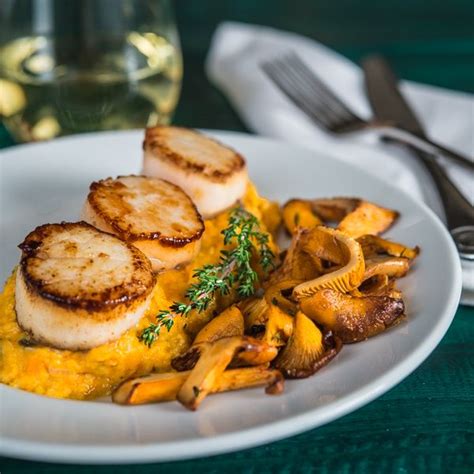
<point x="389" y="105"/>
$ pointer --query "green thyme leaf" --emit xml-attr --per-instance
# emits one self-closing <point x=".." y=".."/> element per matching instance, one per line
<point x="233" y="271"/>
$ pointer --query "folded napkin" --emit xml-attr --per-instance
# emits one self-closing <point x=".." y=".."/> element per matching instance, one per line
<point x="233" y="65"/>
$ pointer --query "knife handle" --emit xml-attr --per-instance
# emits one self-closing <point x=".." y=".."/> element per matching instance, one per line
<point x="459" y="212"/>
<point x="425" y="145"/>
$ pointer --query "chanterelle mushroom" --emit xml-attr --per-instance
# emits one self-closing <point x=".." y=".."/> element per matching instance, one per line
<point x="210" y="367"/>
<point x="355" y="217"/>
<point x="272" y="323"/>
<point x="392" y="267"/>
<point x="307" y="350"/>
<point x="297" y="265"/>
<point x="353" y="318"/>
<point x="278" y="327"/>
<point x="228" y="323"/>
<point x="155" y="388"/>
<point x="337" y="248"/>
<point x="374" y="245"/>
<point x="299" y="213"/>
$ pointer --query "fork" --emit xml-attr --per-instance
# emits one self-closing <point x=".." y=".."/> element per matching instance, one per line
<point x="309" y="93"/>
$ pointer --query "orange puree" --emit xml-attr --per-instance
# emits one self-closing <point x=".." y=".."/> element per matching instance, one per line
<point x="94" y="373"/>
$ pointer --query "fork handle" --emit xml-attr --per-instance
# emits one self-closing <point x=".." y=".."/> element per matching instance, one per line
<point x="425" y="145"/>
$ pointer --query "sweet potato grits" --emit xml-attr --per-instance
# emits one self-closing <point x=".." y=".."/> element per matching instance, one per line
<point x="93" y="373"/>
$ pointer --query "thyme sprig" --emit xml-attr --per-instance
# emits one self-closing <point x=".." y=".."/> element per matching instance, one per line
<point x="233" y="271"/>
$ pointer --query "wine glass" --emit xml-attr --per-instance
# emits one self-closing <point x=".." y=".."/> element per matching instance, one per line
<point x="71" y="66"/>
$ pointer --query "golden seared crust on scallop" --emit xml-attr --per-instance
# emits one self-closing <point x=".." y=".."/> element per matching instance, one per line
<point x="213" y="175"/>
<point x="156" y="216"/>
<point x="75" y="265"/>
<point x="78" y="287"/>
<point x="194" y="152"/>
<point x="138" y="207"/>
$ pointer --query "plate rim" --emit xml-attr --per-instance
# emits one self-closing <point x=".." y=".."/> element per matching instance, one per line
<point x="265" y="433"/>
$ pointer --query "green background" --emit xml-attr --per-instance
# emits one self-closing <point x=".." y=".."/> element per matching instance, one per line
<point x="426" y="423"/>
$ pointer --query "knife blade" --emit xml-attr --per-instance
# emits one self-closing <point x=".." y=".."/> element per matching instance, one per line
<point x="389" y="105"/>
<point x="385" y="98"/>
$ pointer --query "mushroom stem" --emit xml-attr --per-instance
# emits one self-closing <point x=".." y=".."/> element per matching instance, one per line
<point x="165" y="387"/>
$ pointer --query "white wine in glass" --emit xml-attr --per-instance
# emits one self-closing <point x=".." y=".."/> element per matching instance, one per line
<point x="72" y="66"/>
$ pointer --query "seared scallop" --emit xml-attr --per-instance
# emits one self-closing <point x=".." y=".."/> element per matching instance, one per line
<point x="78" y="287"/>
<point x="156" y="216"/>
<point x="214" y="176"/>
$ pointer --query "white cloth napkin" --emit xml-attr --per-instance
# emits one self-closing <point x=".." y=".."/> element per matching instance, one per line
<point x="233" y="65"/>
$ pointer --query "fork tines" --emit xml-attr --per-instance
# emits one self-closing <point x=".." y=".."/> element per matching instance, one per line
<point x="306" y="90"/>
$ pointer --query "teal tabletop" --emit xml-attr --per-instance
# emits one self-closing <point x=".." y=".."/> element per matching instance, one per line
<point x="426" y="423"/>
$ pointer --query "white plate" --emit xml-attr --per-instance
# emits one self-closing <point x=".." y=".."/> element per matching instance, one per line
<point x="48" y="183"/>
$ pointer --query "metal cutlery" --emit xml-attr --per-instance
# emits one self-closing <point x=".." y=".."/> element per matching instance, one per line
<point x="304" y="88"/>
<point x="388" y="103"/>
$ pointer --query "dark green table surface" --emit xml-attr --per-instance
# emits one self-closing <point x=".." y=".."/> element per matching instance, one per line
<point x="426" y="423"/>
